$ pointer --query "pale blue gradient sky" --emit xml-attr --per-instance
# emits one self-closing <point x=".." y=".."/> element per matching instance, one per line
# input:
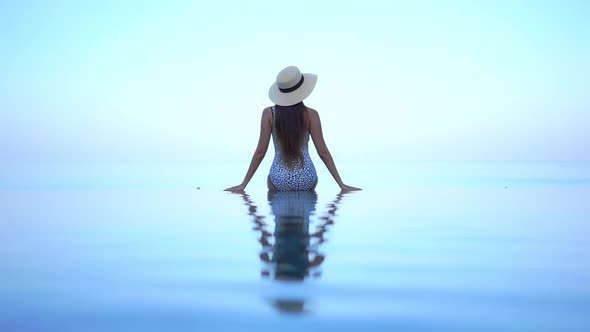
<point x="187" y="80"/>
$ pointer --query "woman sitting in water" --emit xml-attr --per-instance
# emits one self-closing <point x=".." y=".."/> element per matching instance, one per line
<point x="291" y="123"/>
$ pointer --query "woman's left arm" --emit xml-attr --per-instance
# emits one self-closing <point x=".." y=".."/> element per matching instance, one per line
<point x="260" y="152"/>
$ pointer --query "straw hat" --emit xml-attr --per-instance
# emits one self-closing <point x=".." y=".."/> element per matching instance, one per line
<point x="291" y="86"/>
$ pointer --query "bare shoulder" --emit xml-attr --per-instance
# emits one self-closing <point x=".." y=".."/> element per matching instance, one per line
<point x="267" y="112"/>
<point x="267" y="116"/>
<point x="312" y="112"/>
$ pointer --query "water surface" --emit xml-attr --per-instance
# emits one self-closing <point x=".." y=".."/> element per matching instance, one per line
<point x="425" y="247"/>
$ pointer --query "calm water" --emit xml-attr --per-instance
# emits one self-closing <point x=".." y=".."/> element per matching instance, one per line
<point x="425" y="247"/>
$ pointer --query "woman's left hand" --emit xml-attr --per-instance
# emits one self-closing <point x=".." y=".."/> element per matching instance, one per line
<point x="237" y="188"/>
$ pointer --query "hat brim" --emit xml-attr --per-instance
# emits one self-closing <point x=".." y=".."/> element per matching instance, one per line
<point x="294" y="97"/>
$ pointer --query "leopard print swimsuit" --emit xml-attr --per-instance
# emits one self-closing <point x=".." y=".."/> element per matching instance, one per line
<point x="299" y="178"/>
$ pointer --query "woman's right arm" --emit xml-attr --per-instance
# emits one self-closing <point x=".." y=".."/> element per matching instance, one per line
<point x="320" y="145"/>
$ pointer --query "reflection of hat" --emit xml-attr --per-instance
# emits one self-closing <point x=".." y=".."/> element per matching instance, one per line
<point x="291" y="306"/>
<point x="291" y="86"/>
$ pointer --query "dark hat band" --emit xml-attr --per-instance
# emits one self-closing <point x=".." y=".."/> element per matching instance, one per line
<point x="294" y="87"/>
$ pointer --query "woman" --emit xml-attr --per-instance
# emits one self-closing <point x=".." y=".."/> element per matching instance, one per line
<point x="291" y="123"/>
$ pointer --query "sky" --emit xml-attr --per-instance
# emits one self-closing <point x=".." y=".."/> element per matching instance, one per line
<point x="159" y="81"/>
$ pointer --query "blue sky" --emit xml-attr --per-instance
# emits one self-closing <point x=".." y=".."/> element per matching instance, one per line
<point x="186" y="80"/>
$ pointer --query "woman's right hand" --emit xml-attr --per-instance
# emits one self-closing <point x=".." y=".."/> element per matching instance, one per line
<point x="346" y="188"/>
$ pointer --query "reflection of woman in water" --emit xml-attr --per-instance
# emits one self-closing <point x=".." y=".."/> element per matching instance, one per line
<point x="290" y="257"/>
<point x="291" y="124"/>
<point x="294" y="253"/>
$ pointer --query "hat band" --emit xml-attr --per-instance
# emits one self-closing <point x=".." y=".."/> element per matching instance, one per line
<point x="294" y="87"/>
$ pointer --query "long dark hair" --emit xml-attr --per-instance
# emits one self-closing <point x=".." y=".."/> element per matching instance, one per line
<point x="290" y="129"/>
